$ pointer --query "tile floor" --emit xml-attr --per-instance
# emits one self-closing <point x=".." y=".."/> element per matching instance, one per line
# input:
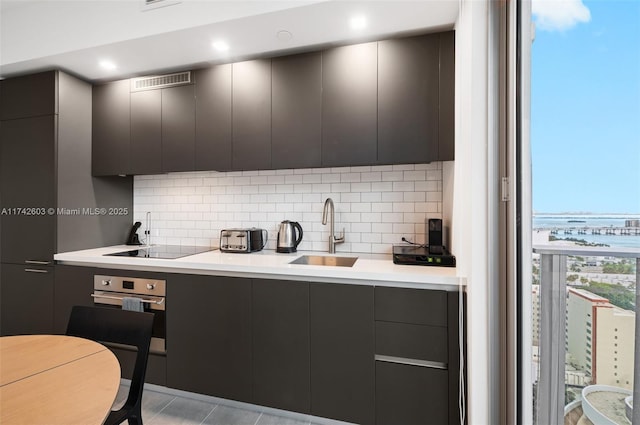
<point x="160" y="408"/>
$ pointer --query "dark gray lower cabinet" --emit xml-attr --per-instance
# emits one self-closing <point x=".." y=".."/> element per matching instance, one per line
<point x="417" y="356"/>
<point x="354" y="353"/>
<point x="209" y="335"/>
<point x="342" y="352"/>
<point x="72" y="286"/>
<point x="411" y="395"/>
<point x="281" y="344"/>
<point x="26" y="299"/>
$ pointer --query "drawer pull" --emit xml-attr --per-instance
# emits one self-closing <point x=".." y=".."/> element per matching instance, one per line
<point x="412" y="362"/>
<point x="40" y="263"/>
<point x="36" y="271"/>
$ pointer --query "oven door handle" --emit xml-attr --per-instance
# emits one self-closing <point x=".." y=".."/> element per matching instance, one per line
<point x="111" y="297"/>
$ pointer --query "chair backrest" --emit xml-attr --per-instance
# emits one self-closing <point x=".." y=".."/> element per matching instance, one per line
<point x="110" y="325"/>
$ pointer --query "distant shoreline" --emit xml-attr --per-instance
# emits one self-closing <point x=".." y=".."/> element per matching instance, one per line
<point x="588" y="215"/>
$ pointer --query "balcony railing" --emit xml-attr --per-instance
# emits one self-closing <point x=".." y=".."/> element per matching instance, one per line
<point x="550" y="397"/>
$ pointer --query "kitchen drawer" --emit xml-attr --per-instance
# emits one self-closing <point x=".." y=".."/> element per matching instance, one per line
<point x="412" y="341"/>
<point x="410" y="395"/>
<point x="417" y="306"/>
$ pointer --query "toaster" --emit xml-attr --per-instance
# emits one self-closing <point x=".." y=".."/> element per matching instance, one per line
<point x="243" y="240"/>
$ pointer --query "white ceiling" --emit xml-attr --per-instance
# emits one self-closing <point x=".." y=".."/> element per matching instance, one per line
<point x="75" y="35"/>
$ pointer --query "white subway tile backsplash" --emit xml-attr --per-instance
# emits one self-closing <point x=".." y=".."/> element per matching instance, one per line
<point x="415" y="175"/>
<point x="371" y="197"/>
<point x="392" y="197"/>
<point x="389" y="176"/>
<point x="376" y="205"/>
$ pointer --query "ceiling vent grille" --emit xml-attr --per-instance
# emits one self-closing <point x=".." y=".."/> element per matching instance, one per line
<point x="160" y="81"/>
<point x="156" y="4"/>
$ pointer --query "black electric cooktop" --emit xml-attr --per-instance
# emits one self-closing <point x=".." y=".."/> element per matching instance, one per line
<point x="162" y="251"/>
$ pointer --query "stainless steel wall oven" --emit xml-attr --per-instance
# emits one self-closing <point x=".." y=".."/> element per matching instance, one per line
<point x="109" y="291"/>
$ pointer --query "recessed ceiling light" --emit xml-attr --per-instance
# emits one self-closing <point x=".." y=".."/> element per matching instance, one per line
<point x="108" y="65"/>
<point x="358" y="22"/>
<point x="220" y="46"/>
<point x="284" y="35"/>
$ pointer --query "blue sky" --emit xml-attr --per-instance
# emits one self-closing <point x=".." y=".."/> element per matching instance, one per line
<point x="585" y="106"/>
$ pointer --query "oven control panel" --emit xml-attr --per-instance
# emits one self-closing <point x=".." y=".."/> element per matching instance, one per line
<point x="130" y="285"/>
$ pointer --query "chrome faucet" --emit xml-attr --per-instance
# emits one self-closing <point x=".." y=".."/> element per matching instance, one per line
<point x="329" y="209"/>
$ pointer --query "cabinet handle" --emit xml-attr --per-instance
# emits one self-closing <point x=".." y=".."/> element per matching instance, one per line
<point x="36" y="271"/>
<point x="40" y="263"/>
<point x="412" y="362"/>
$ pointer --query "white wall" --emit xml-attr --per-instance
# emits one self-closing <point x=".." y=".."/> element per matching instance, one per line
<point x="474" y="215"/>
<point x="376" y="205"/>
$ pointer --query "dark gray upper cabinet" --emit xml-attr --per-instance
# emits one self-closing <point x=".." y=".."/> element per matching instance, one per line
<point x="213" y="118"/>
<point x="27" y="180"/>
<point x="297" y="111"/>
<point x="178" y="128"/>
<point x="342" y="352"/>
<point x="252" y="115"/>
<point x="29" y="96"/>
<point x="446" y="136"/>
<point x="408" y="72"/>
<point x="46" y="163"/>
<point x="111" y="129"/>
<point x="209" y="336"/>
<point x="281" y="344"/>
<point x="349" y="105"/>
<point x="386" y="102"/>
<point x="146" y="132"/>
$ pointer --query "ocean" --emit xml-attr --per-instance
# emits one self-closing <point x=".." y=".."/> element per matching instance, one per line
<point x="589" y="221"/>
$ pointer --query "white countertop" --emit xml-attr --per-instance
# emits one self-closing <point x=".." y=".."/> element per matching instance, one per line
<point x="369" y="269"/>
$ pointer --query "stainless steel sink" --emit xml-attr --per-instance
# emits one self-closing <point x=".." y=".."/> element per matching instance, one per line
<point x="325" y="260"/>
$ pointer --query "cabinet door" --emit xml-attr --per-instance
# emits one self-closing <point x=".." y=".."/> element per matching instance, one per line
<point x="296" y="123"/>
<point x="408" y="72"/>
<point x="411" y="395"/>
<point x="27" y="179"/>
<point x="178" y="128"/>
<point x="111" y="140"/>
<point x="281" y="344"/>
<point x="72" y="286"/>
<point x="29" y="96"/>
<point x="446" y="126"/>
<point x="26" y="299"/>
<point x="209" y="335"/>
<point x="252" y="115"/>
<point x="213" y="118"/>
<point x="349" y="105"/>
<point x="342" y="352"/>
<point x="146" y="132"/>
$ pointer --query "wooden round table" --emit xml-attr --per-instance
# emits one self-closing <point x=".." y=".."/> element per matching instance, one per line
<point x="56" y="379"/>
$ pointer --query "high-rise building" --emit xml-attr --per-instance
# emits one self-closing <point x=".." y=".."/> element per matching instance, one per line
<point x="600" y="338"/>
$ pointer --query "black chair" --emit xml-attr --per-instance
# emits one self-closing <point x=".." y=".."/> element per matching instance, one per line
<point x="110" y="325"/>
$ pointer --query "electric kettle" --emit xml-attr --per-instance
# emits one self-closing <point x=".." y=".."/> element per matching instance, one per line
<point x="287" y="239"/>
